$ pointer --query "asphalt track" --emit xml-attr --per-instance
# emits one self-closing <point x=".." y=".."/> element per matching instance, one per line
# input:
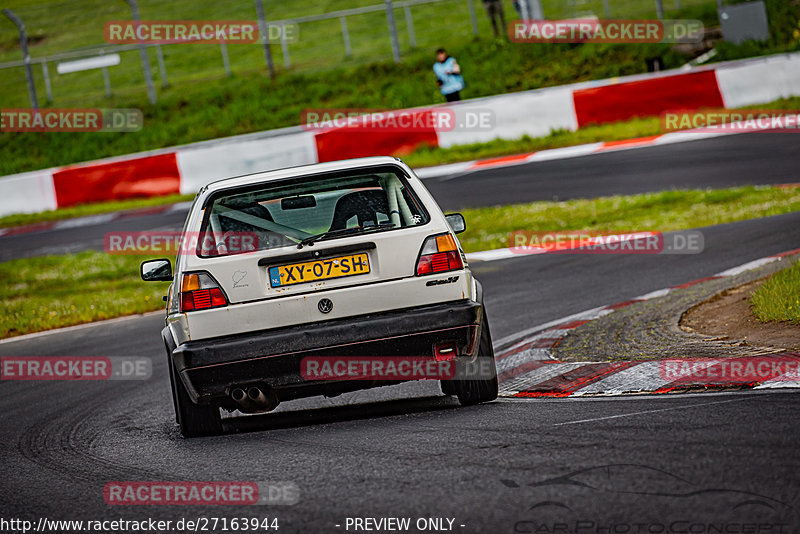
<point x="677" y="463"/>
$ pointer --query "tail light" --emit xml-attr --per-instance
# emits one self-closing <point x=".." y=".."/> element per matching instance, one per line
<point x="439" y="254"/>
<point x="199" y="291"/>
<point x="446" y="351"/>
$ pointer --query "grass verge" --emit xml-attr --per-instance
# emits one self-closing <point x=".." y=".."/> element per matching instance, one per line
<point x="778" y="298"/>
<point x="489" y="228"/>
<point x="55" y="291"/>
<point x="83" y="210"/>
<point x="427" y="156"/>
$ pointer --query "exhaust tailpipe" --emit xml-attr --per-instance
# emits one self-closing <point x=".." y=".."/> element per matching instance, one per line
<point x="255" y="400"/>
<point x="267" y="400"/>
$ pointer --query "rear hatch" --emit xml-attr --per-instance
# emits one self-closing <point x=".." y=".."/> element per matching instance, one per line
<point x="327" y="265"/>
<point x="277" y="248"/>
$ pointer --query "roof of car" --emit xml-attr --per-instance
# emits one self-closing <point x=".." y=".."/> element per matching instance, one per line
<point x="300" y="171"/>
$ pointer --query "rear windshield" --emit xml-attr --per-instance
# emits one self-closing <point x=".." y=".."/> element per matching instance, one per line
<point x="286" y="212"/>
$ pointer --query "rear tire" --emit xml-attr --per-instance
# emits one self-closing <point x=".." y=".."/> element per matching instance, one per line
<point x="447" y="387"/>
<point x="194" y="420"/>
<point x="483" y="389"/>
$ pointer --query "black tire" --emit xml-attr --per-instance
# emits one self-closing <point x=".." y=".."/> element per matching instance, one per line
<point x="194" y="420"/>
<point x="447" y="387"/>
<point x="482" y="389"/>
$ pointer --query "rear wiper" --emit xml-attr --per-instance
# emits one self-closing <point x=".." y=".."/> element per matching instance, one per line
<point x="344" y="231"/>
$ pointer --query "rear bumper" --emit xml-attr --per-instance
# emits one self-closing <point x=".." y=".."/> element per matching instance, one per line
<point x="210" y="368"/>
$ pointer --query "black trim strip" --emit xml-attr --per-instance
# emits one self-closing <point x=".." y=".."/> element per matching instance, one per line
<point x="316" y="254"/>
<point x="327" y="334"/>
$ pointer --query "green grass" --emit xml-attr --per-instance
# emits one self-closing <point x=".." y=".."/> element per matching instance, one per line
<point x="70" y="24"/>
<point x="54" y="291"/>
<point x="426" y="156"/>
<point x="489" y="228"/>
<point x="778" y="298"/>
<point x="83" y="210"/>
<point x="201" y="103"/>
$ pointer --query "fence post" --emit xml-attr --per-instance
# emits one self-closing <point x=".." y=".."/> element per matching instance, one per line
<point x="525" y="13"/>
<point x="106" y="82"/>
<point x="223" y="48"/>
<point x="607" y="9"/>
<point x="392" y="31"/>
<point x="537" y="12"/>
<point x="287" y="61"/>
<point x="106" y="79"/>
<point x="26" y="57"/>
<point x="660" y="9"/>
<point x="473" y="17"/>
<point x="262" y="26"/>
<point x="148" y="75"/>
<point x="348" y="51"/>
<point x="47" y="87"/>
<point x="412" y="37"/>
<point x="161" y="67"/>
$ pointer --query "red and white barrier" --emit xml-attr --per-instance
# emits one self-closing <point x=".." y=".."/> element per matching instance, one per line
<point x="30" y="192"/>
<point x="534" y="113"/>
<point x="354" y="142"/>
<point x="202" y="165"/>
<point x="116" y="180"/>
<point x="531" y="113"/>
<point x="757" y="82"/>
<point x="646" y="98"/>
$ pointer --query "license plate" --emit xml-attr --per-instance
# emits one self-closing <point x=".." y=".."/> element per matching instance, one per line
<point x="311" y="271"/>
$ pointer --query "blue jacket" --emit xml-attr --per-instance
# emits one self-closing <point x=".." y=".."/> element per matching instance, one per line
<point x="450" y="82"/>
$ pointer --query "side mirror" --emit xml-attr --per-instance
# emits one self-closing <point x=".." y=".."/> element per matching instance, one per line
<point x="456" y="222"/>
<point x="156" y="271"/>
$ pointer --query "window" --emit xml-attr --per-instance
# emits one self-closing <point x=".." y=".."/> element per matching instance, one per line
<point x="285" y="212"/>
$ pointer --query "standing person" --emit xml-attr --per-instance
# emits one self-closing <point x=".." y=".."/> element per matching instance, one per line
<point x="494" y="8"/>
<point x="448" y="76"/>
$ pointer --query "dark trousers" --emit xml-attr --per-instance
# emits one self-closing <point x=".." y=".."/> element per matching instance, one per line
<point x="494" y="8"/>
<point x="453" y="97"/>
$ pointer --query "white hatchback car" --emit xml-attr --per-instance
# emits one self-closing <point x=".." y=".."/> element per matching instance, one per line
<point x="350" y="259"/>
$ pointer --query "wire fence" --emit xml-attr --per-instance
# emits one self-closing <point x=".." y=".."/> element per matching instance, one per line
<point x="331" y="33"/>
